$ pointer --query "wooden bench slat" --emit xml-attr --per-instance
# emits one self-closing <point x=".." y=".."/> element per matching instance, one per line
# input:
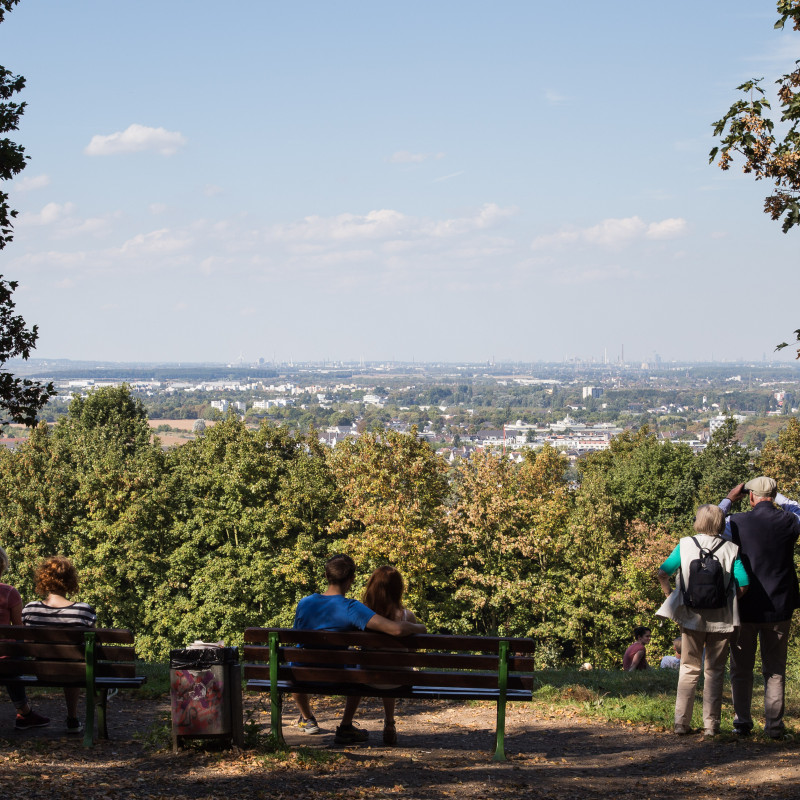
<point x="424" y="641"/>
<point x="426" y="692"/>
<point x="385" y="677"/>
<point x="66" y="652"/>
<point x="65" y="634"/>
<point x="69" y="670"/>
<point x="397" y="658"/>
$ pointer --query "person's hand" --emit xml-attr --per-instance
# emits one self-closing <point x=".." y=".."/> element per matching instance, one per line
<point x="737" y="493"/>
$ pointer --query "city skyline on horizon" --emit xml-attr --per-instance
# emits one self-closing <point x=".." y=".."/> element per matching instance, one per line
<point x="303" y="183"/>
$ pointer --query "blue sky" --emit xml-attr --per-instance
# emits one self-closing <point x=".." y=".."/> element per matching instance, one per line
<point x="437" y="181"/>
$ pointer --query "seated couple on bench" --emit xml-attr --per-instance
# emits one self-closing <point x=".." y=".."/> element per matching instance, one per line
<point x="56" y="578"/>
<point x="382" y="610"/>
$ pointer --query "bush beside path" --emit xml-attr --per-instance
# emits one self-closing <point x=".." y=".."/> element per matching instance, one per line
<point x="555" y="752"/>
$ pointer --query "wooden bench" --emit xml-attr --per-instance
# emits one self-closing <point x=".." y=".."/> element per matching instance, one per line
<point x="281" y="660"/>
<point x="97" y="659"/>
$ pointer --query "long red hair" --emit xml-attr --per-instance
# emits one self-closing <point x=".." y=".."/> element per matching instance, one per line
<point x="384" y="592"/>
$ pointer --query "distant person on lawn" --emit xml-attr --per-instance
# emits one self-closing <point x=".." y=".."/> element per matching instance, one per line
<point x="708" y="629"/>
<point x="672" y="661"/>
<point x="56" y="578"/>
<point x="333" y="611"/>
<point x="11" y="614"/>
<point x="636" y="655"/>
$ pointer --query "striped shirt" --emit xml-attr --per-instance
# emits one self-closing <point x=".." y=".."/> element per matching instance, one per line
<point x="76" y="614"/>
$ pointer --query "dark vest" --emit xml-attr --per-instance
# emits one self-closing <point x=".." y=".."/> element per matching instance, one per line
<point x="766" y="537"/>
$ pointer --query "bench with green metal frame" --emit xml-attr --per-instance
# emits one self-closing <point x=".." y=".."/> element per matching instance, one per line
<point x="96" y="659"/>
<point x="280" y="660"/>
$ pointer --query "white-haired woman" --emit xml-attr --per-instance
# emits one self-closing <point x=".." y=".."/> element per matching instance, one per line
<point x="11" y="614"/>
<point x="703" y="629"/>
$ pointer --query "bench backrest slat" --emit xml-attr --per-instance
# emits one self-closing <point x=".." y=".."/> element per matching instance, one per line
<point x="388" y="678"/>
<point x="482" y="644"/>
<point x="395" y="658"/>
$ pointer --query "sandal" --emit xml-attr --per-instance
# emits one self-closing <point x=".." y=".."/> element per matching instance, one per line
<point x="389" y="732"/>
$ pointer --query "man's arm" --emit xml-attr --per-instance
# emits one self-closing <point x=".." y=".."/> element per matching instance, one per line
<point x="384" y="625"/>
<point x="737" y="493"/>
<point x="788" y="505"/>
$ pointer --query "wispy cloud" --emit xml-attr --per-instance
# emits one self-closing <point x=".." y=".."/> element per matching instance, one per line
<point x="134" y="139"/>
<point x="29" y="184"/>
<point x="211" y="190"/>
<point x="555" y="98"/>
<point x="406" y="157"/>
<point x="447" y="177"/>
<point x="612" y="233"/>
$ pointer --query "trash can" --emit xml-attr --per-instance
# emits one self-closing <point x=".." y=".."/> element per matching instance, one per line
<point x="206" y="694"/>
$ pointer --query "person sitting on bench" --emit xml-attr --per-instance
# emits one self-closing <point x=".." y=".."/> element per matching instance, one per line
<point x="334" y="611"/>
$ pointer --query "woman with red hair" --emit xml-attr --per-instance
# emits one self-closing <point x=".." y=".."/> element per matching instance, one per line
<point x="56" y="578"/>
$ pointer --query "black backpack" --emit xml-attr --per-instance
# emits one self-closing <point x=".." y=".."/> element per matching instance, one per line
<point x="706" y="586"/>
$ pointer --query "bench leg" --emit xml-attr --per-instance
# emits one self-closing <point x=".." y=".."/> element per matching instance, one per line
<point x="102" y="706"/>
<point x="500" y="732"/>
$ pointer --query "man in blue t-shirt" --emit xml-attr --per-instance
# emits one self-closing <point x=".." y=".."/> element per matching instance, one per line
<point x="333" y="611"/>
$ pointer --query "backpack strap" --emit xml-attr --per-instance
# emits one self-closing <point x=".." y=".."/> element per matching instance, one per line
<point x="713" y="550"/>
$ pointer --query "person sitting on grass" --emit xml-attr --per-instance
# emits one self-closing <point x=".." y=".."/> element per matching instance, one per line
<point x="636" y="656"/>
<point x="11" y="614"/>
<point x="56" y="578"/>
<point x="334" y="611"/>
<point x="672" y="661"/>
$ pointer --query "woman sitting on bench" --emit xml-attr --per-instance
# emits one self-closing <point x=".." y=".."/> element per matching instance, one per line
<point x="11" y="614"/>
<point x="384" y="595"/>
<point x="56" y="578"/>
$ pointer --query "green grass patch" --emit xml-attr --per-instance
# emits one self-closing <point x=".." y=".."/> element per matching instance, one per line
<point x="640" y="698"/>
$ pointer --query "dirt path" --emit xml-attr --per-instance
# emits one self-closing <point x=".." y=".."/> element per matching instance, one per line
<point x="443" y="753"/>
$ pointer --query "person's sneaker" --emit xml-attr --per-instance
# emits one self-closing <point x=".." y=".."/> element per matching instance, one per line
<point x="741" y="730"/>
<point x="308" y="725"/>
<point x="709" y="734"/>
<point x="389" y="732"/>
<point x="682" y="730"/>
<point x="73" y="725"/>
<point x="350" y="735"/>
<point x="30" y="720"/>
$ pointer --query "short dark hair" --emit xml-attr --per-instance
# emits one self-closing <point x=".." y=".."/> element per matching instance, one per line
<point x="339" y="569"/>
<point x="640" y="630"/>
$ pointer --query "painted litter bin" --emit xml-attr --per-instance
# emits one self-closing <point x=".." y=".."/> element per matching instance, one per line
<point x="206" y="692"/>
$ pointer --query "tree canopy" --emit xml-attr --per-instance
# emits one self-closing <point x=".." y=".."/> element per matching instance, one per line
<point x="748" y="130"/>
<point x="20" y="397"/>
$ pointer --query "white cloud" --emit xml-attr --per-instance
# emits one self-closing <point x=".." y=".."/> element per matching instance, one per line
<point x="29" y="184"/>
<point x="157" y="208"/>
<point x="405" y="157"/>
<point x="612" y="233"/>
<point x="211" y="190"/>
<point x="160" y="242"/>
<point x="49" y="215"/>
<point x="666" y="229"/>
<point x="554" y="98"/>
<point x="136" y="138"/>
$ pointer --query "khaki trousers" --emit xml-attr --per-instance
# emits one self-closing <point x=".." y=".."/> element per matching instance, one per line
<point x="774" y="640"/>
<point x="716" y="654"/>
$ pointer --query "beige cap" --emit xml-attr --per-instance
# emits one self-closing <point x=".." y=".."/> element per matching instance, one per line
<point x="763" y="486"/>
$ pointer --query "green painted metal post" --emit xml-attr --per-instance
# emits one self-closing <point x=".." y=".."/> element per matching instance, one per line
<point x="88" y="731"/>
<point x="274" y="694"/>
<point x="502" y="685"/>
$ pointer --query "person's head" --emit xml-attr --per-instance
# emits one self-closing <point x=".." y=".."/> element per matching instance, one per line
<point x="384" y="591"/>
<point x="676" y="646"/>
<point x="56" y="575"/>
<point x="761" y="488"/>
<point x="642" y="634"/>
<point x="339" y="570"/>
<point x="710" y="520"/>
<point x="4" y="562"/>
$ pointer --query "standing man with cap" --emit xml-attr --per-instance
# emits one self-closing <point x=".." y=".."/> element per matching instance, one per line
<point x="766" y="536"/>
